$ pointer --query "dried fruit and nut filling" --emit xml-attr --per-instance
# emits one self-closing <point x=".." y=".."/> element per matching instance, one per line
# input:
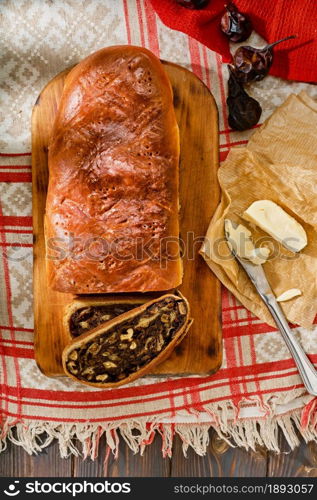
<point x="87" y="318"/>
<point x="127" y="347"/>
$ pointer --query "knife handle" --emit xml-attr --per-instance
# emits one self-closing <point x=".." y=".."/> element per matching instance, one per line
<point x="305" y="367"/>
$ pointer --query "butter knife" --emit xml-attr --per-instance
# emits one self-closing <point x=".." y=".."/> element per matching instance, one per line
<point x="260" y="282"/>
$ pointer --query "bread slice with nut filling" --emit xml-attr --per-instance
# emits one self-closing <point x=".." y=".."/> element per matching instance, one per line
<point x="130" y="345"/>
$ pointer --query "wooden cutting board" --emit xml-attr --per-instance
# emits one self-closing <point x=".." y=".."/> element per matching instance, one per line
<point x="197" y="116"/>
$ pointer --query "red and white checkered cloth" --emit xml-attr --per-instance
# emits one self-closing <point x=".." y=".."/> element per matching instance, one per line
<point x="257" y="388"/>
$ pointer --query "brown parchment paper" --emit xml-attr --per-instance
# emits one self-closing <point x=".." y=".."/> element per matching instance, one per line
<point x="279" y="164"/>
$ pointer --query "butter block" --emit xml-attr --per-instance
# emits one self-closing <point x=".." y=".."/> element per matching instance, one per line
<point x="277" y="223"/>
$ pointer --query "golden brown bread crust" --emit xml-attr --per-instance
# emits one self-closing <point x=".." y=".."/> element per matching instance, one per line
<point x="96" y="332"/>
<point x="113" y="178"/>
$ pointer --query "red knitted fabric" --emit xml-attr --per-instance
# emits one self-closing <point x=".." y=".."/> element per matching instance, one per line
<point x="272" y="19"/>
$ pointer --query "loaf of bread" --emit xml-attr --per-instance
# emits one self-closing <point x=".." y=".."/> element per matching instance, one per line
<point x="130" y="345"/>
<point x="111" y="221"/>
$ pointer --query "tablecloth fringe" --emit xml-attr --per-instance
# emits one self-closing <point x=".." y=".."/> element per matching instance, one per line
<point x="82" y="439"/>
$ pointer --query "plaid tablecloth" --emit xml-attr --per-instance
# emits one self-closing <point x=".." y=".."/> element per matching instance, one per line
<point x="257" y="388"/>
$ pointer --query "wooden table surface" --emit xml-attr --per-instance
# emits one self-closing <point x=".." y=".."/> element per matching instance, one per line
<point x="220" y="461"/>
